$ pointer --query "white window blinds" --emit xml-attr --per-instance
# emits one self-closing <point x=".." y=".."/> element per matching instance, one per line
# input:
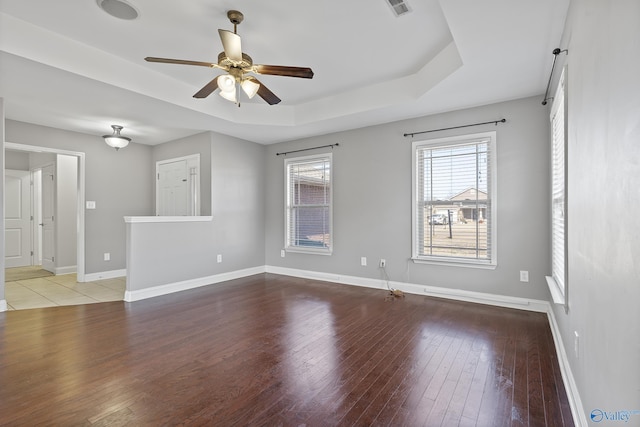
<point x="558" y="187"/>
<point x="454" y="216"/>
<point x="308" y="204"/>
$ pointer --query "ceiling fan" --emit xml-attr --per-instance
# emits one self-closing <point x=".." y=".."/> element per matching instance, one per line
<point x="238" y="67"/>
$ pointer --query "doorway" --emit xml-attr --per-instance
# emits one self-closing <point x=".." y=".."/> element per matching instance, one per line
<point x="56" y="217"/>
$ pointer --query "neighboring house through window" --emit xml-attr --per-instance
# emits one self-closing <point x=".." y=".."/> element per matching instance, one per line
<point x="308" y="210"/>
<point x="454" y="200"/>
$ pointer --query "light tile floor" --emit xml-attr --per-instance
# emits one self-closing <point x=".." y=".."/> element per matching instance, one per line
<point x="61" y="290"/>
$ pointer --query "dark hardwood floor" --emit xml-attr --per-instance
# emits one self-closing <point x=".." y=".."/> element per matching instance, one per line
<point x="273" y="350"/>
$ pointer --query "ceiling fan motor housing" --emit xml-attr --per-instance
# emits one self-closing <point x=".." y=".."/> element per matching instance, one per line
<point x="224" y="61"/>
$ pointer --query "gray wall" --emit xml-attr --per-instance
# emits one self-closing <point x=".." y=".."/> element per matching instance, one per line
<point x="196" y="144"/>
<point x="66" y="211"/>
<point x="238" y="199"/>
<point x="120" y="182"/>
<point x="604" y="178"/>
<point x="16" y="160"/>
<point x="372" y="201"/>
<point x="167" y="253"/>
<point x="40" y="160"/>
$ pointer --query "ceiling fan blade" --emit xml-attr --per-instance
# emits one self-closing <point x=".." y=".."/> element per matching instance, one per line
<point x="266" y="94"/>
<point x="281" y="70"/>
<point x="181" y="62"/>
<point x="207" y="89"/>
<point x="231" y="44"/>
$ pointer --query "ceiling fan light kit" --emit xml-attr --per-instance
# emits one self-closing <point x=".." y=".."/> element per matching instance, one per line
<point x="238" y="65"/>
<point x="116" y="140"/>
<point x="226" y="83"/>
<point x="250" y="87"/>
<point x="229" y="95"/>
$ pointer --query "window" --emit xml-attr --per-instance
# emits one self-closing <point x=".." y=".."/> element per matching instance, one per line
<point x="454" y="205"/>
<point x="558" y="280"/>
<point x="308" y="213"/>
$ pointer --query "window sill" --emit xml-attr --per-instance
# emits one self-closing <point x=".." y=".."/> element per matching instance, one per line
<point x="307" y="251"/>
<point x="556" y="294"/>
<point x="455" y="263"/>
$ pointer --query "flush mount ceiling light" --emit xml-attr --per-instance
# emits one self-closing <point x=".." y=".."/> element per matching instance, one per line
<point x="118" y="9"/>
<point x="116" y="140"/>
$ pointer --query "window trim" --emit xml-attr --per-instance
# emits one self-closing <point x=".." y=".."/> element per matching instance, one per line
<point x="300" y="249"/>
<point x="493" y="193"/>
<point x="560" y="291"/>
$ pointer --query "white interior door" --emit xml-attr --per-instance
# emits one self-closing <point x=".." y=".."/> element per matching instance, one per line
<point x="173" y="188"/>
<point x="48" y="218"/>
<point x="17" y="217"/>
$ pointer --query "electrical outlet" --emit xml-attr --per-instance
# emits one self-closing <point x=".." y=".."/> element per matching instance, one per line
<point x="382" y="263"/>
<point x="363" y="261"/>
<point x="107" y="256"/>
<point x="219" y="258"/>
<point x="282" y="253"/>
<point x="524" y="276"/>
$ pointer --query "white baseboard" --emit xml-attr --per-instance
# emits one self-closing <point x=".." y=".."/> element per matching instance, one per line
<point x="411" y="288"/>
<point x="170" y="288"/>
<point x="3" y="305"/>
<point x="65" y="270"/>
<point x="113" y="274"/>
<point x="469" y="296"/>
<point x="575" y="403"/>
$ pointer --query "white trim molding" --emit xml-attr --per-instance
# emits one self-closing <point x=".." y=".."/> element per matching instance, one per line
<point x="70" y="269"/>
<point x="169" y="288"/>
<point x="411" y="288"/>
<point x="554" y="289"/>
<point x="3" y="305"/>
<point x="575" y="402"/>
<point x="113" y="274"/>
<point x="540" y="306"/>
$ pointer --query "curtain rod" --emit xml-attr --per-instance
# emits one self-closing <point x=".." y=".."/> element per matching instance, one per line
<point x="307" y="149"/>
<point x="555" y="52"/>
<point x="457" y="127"/>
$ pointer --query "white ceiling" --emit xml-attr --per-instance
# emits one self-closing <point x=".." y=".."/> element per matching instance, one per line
<point x="69" y="65"/>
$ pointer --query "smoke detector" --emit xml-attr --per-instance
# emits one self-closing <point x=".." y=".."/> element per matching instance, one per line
<point x="118" y="9"/>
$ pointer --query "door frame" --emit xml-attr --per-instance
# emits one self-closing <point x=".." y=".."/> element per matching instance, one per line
<point x="194" y="182"/>
<point x="36" y="213"/>
<point x="80" y="235"/>
<point x="49" y="170"/>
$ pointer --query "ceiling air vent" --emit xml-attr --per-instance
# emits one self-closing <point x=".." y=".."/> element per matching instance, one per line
<point x="399" y="7"/>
